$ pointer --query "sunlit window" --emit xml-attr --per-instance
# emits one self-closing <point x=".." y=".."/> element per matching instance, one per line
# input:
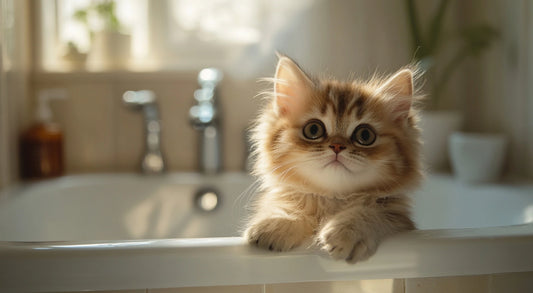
<point x="130" y="14"/>
<point x="162" y="34"/>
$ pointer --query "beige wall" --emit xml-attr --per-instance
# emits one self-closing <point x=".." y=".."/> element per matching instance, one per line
<point x="498" y="95"/>
<point x="14" y="72"/>
<point x="339" y="37"/>
<point x="103" y="135"/>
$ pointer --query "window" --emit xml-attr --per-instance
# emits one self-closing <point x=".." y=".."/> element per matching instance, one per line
<point x="162" y="34"/>
<point x="130" y="14"/>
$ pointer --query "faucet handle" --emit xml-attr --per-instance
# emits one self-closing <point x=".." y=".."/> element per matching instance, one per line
<point x="210" y="77"/>
<point x="138" y="98"/>
<point x="203" y="95"/>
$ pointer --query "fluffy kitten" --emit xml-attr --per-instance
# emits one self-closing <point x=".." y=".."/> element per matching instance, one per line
<point x="335" y="160"/>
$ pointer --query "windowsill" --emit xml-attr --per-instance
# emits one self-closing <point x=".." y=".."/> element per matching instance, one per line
<point x="114" y="74"/>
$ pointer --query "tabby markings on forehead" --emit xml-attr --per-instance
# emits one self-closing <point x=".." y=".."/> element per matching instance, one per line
<point x="359" y="103"/>
<point x="341" y="108"/>
<point x="343" y="101"/>
<point x="328" y="103"/>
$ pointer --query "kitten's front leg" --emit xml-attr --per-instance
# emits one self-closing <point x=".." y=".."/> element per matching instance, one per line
<point x="282" y="221"/>
<point x="344" y="238"/>
<point x="278" y="233"/>
<point x="355" y="234"/>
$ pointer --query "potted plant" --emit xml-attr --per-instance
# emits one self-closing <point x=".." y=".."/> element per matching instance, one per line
<point x="429" y="43"/>
<point x="110" y="47"/>
<point x="72" y="58"/>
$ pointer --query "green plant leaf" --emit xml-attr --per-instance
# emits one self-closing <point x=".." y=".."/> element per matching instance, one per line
<point x="81" y="16"/>
<point x="418" y="42"/>
<point x="105" y="10"/>
<point x="478" y="38"/>
<point x="436" y="26"/>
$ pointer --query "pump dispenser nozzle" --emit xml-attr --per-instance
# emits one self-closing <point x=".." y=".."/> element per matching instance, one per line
<point x="43" y="112"/>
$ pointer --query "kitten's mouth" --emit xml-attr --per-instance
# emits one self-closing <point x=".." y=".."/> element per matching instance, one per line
<point x="336" y="163"/>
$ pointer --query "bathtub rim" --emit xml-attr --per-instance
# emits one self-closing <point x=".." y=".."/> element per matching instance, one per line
<point x="169" y="263"/>
<point x="172" y="263"/>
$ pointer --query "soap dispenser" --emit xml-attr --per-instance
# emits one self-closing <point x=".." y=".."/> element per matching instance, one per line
<point x="41" y="146"/>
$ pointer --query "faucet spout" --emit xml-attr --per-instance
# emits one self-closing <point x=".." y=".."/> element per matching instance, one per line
<point x="205" y="117"/>
<point x="152" y="161"/>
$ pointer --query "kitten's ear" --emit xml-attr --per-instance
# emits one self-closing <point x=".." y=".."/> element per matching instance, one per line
<point x="399" y="88"/>
<point x="292" y="88"/>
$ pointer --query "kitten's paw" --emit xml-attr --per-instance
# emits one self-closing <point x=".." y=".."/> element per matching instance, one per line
<point x="346" y="241"/>
<point x="277" y="234"/>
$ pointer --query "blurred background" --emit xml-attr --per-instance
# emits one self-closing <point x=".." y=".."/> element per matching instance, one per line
<point x="478" y="57"/>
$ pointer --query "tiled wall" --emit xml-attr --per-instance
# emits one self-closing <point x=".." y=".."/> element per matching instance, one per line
<point x="103" y="135"/>
<point x="499" y="283"/>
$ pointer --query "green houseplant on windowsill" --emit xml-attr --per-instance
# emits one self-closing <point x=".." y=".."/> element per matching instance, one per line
<point x="429" y="44"/>
<point x="110" y="47"/>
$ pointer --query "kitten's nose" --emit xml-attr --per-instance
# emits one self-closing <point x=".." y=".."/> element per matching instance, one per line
<point x="337" y="147"/>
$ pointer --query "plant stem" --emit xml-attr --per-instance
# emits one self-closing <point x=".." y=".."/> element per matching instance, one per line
<point x="448" y="71"/>
<point x="436" y="26"/>
<point x="418" y="47"/>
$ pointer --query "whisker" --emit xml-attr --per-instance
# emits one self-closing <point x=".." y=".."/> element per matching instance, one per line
<point x="246" y="195"/>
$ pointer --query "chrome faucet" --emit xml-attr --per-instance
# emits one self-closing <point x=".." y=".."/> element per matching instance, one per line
<point x="152" y="159"/>
<point x="205" y="117"/>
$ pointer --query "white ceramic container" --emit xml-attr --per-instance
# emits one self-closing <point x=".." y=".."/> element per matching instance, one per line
<point x="109" y="51"/>
<point x="477" y="157"/>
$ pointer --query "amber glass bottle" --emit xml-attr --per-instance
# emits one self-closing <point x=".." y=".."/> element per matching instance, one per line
<point x="41" y="152"/>
<point x="41" y="146"/>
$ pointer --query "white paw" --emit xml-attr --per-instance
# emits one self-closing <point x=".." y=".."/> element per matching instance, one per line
<point x="277" y="234"/>
<point x="346" y="241"/>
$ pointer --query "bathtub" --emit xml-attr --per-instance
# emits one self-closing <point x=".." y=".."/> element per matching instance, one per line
<point x="127" y="231"/>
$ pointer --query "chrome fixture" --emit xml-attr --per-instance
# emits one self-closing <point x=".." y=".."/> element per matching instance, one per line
<point x="205" y="117"/>
<point x="145" y="101"/>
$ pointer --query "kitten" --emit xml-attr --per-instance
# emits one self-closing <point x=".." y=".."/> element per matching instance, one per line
<point x="335" y="160"/>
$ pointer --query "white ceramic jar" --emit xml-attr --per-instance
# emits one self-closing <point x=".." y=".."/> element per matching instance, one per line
<point x="477" y="157"/>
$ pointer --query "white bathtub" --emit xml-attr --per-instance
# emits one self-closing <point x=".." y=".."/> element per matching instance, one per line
<point x="126" y="231"/>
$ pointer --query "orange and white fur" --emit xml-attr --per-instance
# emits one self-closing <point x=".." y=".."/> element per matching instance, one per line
<point x="336" y="161"/>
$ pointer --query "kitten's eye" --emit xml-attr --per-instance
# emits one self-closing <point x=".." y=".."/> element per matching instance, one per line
<point x="314" y="129"/>
<point x="364" y="135"/>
